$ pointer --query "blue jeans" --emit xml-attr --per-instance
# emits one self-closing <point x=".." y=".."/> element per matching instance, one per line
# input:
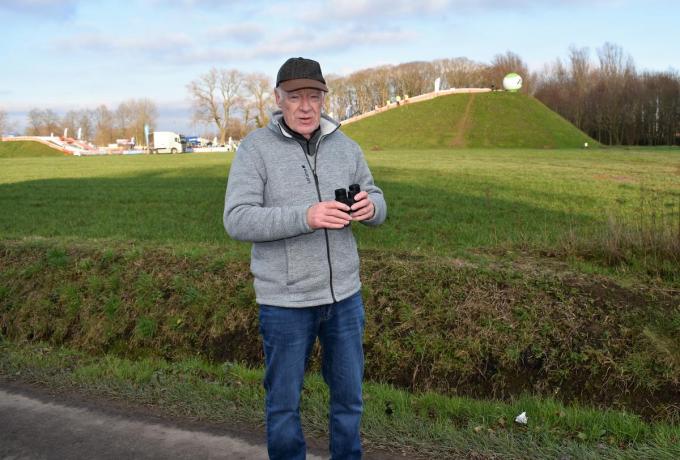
<point x="289" y="335"/>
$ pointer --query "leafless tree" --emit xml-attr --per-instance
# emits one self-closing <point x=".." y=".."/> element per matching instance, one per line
<point x="124" y="119"/>
<point x="214" y="96"/>
<point x="131" y="116"/>
<point x="104" y="127"/>
<point x="503" y="64"/>
<point x="259" y="88"/>
<point x="610" y="101"/>
<point x="43" y="123"/>
<point x="70" y="121"/>
<point x="460" y="72"/>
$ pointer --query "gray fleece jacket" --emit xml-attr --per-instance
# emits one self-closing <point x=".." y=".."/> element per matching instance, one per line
<point x="272" y="183"/>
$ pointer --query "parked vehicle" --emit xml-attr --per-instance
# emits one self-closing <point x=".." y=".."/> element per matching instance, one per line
<point x="166" y="142"/>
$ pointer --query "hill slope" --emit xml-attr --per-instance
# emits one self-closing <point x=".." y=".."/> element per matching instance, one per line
<point x="15" y="149"/>
<point x="496" y="119"/>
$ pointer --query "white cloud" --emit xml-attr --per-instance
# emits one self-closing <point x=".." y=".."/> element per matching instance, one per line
<point x="295" y="42"/>
<point x="98" y="42"/>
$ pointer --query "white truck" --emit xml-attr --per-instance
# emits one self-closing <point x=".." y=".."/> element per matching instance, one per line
<point x="166" y="142"/>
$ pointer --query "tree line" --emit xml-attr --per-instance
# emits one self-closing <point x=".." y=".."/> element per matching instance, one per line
<point x="606" y="97"/>
<point x="610" y="100"/>
<point x="366" y="89"/>
<point x="100" y="125"/>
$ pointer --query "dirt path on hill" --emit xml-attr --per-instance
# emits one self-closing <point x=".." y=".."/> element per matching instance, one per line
<point x="463" y="124"/>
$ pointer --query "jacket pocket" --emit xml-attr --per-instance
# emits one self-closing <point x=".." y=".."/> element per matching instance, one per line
<point x="306" y="263"/>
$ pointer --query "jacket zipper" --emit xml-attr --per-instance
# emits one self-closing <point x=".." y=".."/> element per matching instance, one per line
<point x="325" y="230"/>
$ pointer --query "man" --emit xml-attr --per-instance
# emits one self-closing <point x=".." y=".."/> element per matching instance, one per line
<point x="304" y="258"/>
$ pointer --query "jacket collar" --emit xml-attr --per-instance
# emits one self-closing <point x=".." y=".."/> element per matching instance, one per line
<point x="327" y="125"/>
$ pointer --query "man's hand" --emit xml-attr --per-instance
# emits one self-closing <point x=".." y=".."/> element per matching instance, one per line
<point x="364" y="208"/>
<point x="328" y="214"/>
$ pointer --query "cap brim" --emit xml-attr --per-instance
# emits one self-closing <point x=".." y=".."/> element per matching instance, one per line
<point x="302" y="83"/>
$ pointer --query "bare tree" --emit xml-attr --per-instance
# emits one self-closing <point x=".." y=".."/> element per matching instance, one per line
<point x="124" y="117"/>
<point x="339" y="101"/>
<point x="260" y="90"/>
<point x="214" y="96"/>
<point x="132" y="115"/>
<point x="85" y="122"/>
<point x="34" y="126"/>
<point x="503" y="64"/>
<point x="581" y="77"/>
<point x="70" y="121"/>
<point x="43" y="123"/>
<point x="144" y="112"/>
<point x="104" y="125"/>
<point x="460" y="72"/>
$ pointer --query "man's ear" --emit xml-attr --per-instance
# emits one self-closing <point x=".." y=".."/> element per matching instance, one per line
<point x="277" y="97"/>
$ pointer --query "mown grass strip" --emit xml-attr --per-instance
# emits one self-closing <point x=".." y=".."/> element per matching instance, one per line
<point x="424" y="424"/>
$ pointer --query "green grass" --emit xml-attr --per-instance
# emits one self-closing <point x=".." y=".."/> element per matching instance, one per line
<point x="498" y="119"/>
<point x="27" y="149"/>
<point x="421" y="423"/>
<point x="485" y="280"/>
<point x="442" y="202"/>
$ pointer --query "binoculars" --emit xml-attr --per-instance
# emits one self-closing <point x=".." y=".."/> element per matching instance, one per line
<point x="343" y="196"/>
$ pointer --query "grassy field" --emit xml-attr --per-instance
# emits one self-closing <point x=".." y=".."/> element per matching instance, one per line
<point x="487" y="120"/>
<point x="441" y="201"/>
<point x="499" y="273"/>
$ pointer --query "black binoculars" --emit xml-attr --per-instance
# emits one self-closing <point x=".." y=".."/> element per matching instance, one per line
<point x="343" y="196"/>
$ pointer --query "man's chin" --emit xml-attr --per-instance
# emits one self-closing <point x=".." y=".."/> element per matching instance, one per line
<point x="306" y="128"/>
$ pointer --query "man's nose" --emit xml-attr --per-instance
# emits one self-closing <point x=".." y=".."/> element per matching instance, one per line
<point x="304" y="103"/>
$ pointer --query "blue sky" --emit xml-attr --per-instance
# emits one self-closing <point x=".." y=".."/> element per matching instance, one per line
<point x="71" y="54"/>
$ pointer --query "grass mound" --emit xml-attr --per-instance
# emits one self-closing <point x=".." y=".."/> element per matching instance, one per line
<point x="498" y="329"/>
<point x="497" y="119"/>
<point x="19" y="149"/>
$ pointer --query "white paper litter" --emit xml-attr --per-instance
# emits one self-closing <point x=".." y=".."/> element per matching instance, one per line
<point x="522" y="418"/>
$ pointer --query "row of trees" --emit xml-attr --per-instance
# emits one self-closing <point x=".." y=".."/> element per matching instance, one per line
<point x="101" y="125"/>
<point x="610" y="100"/>
<point x="607" y="97"/>
<point x="234" y="102"/>
<point x="362" y="91"/>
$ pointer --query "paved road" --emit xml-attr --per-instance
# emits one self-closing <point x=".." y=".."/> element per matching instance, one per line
<point x="39" y="426"/>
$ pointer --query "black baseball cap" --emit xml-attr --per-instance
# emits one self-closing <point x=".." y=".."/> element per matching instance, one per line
<point x="298" y="73"/>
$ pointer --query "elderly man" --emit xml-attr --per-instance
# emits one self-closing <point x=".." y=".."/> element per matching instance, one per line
<point x="304" y="259"/>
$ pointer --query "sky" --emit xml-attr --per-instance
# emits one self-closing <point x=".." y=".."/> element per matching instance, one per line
<point x="72" y="54"/>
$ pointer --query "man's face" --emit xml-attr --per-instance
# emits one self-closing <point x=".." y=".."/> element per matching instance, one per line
<point x="301" y="109"/>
